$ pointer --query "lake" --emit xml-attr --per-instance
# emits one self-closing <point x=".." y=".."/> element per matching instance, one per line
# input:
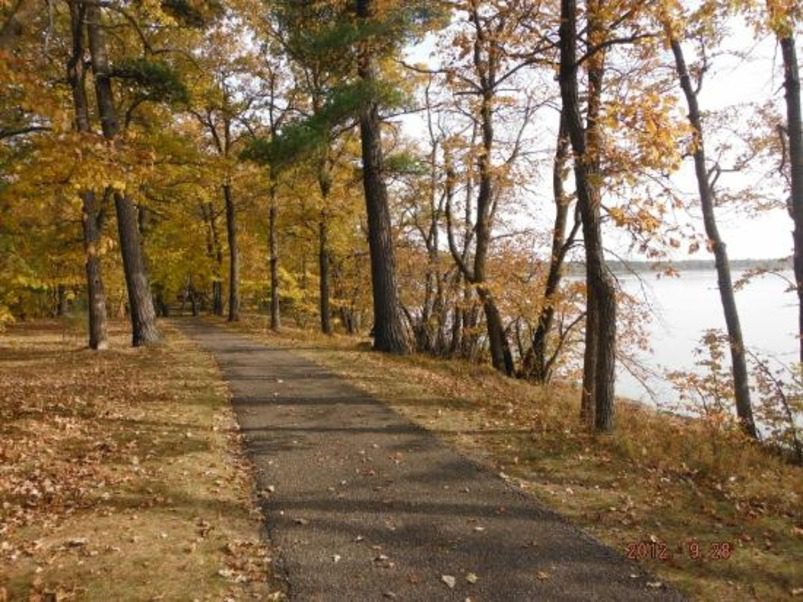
<point x="686" y="306"/>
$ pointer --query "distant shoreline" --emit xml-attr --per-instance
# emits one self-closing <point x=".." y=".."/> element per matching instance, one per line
<point x="686" y="265"/>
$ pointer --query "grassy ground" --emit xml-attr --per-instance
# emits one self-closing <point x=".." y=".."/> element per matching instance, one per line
<point x="715" y="516"/>
<point x="120" y="474"/>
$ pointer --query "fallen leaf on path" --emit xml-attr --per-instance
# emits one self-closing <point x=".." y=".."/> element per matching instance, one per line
<point x="471" y="578"/>
<point x="449" y="580"/>
<point x="78" y="542"/>
<point x="542" y="575"/>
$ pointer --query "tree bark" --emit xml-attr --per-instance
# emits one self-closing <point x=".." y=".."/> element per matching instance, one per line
<point x="273" y="250"/>
<point x="214" y="252"/>
<point x="325" y="185"/>
<point x="501" y="357"/>
<point x="140" y="300"/>
<point x="600" y="357"/>
<point x="540" y="366"/>
<point x="741" y="385"/>
<point x="323" y="265"/>
<point x="794" y="128"/>
<point x="90" y="215"/>
<point x="389" y="332"/>
<point x="234" y="255"/>
<point x="96" y="294"/>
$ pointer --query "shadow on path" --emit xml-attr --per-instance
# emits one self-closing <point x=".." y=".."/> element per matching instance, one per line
<point x="365" y="505"/>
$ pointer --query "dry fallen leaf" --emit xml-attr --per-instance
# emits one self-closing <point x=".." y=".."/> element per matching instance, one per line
<point x="542" y="575"/>
<point x="449" y="580"/>
<point x="471" y="578"/>
<point x="77" y="542"/>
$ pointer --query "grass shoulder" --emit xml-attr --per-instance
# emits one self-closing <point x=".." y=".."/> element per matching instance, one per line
<point x="122" y="477"/>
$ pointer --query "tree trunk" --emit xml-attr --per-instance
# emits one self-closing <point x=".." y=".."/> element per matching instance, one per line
<point x="325" y="185"/>
<point x="143" y="316"/>
<point x="234" y="256"/>
<point x="540" y="367"/>
<point x="217" y="284"/>
<point x="501" y="356"/>
<point x="389" y="331"/>
<point x="273" y="249"/>
<point x="214" y="252"/>
<point x="61" y="301"/>
<point x="323" y="264"/>
<point x="741" y="385"/>
<point x="96" y="294"/>
<point x="794" y="129"/>
<point x="90" y="217"/>
<point x="600" y="357"/>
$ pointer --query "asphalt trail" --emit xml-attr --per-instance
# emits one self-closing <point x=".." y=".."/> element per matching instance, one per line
<point x="364" y="505"/>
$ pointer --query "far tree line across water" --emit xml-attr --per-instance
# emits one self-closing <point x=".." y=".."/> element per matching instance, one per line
<point x="686" y="265"/>
<point x="258" y="155"/>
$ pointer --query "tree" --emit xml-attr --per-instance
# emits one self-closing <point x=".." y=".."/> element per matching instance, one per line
<point x="783" y="22"/>
<point x="91" y="214"/>
<point x="140" y="300"/>
<point x="537" y="363"/>
<point x="599" y="360"/>
<point x="486" y="43"/>
<point x="389" y="332"/>
<point x="706" y="192"/>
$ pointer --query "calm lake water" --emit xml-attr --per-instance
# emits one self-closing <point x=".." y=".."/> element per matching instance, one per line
<point x="685" y="307"/>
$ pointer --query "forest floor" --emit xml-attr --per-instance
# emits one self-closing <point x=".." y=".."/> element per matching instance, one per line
<point x="121" y="476"/>
<point x="715" y="517"/>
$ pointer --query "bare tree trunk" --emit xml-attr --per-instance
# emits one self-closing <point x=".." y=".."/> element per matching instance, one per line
<point x="794" y="129"/>
<point x="273" y="249"/>
<point x="389" y="331"/>
<point x="217" y="285"/>
<point x="501" y="357"/>
<point x="61" y="301"/>
<point x="741" y="385"/>
<point x="539" y="367"/>
<point x="214" y="252"/>
<point x="98" y="337"/>
<point x="600" y="357"/>
<point x="234" y="255"/>
<point x="323" y="265"/>
<point x="143" y="316"/>
<point x="325" y="185"/>
<point x="90" y="215"/>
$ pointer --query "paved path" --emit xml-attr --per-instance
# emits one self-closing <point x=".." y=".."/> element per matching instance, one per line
<point x="367" y="506"/>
